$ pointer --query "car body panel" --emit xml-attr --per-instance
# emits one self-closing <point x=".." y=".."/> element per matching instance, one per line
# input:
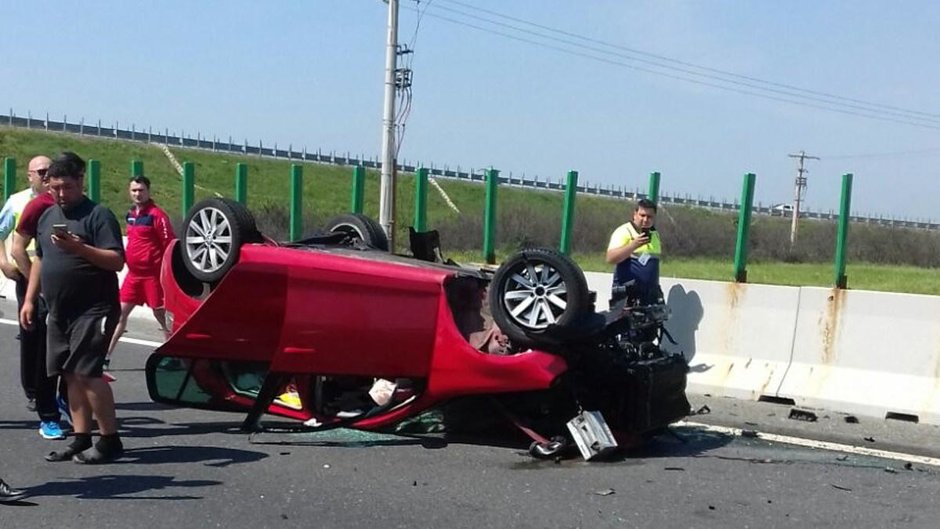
<point x="329" y="312"/>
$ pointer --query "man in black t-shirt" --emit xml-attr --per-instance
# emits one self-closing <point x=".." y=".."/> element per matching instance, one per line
<point x="78" y="254"/>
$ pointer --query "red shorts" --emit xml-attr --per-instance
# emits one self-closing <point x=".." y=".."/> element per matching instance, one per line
<point x="142" y="290"/>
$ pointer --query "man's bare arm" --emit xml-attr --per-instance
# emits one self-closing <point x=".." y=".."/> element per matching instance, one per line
<point x="19" y="253"/>
<point x="110" y="260"/>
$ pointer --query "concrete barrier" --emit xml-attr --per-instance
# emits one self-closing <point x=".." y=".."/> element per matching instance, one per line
<point x="867" y="353"/>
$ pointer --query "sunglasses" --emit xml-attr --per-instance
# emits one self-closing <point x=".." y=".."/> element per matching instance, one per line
<point x="40" y="172"/>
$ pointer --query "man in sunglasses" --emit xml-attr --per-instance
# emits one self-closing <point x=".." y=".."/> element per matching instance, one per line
<point x="40" y="389"/>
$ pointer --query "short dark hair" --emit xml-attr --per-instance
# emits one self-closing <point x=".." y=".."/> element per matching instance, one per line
<point x="645" y="203"/>
<point x="67" y="163"/>
<point x="141" y="179"/>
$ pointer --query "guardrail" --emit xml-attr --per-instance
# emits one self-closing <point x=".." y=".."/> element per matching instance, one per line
<point x="305" y="155"/>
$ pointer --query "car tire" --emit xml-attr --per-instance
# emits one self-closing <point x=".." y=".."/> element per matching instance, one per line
<point x="213" y="233"/>
<point x="359" y="227"/>
<point x="535" y="289"/>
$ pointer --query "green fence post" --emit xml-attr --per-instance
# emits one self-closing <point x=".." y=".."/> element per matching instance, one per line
<point x="9" y="177"/>
<point x="653" y="193"/>
<point x="296" y="201"/>
<point x="489" y="216"/>
<point x="567" y="218"/>
<point x="94" y="180"/>
<point x="840" y="279"/>
<point x="358" y="188"/>
<point x="421" y="200"/>
<point x="189" y="186"/>
<point x="137" y="168"/>
<point x="241" y="182"/>
<point x="744" y="228"/>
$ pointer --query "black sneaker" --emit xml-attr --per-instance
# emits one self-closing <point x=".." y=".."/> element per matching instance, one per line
<point x="8" y="494"/>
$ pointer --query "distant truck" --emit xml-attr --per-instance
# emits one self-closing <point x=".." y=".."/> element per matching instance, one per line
<point x="782" y="210"/>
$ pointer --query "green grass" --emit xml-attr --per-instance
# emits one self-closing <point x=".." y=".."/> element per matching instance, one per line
<point x="327" y="191"/>
<point x="884" y="278"/>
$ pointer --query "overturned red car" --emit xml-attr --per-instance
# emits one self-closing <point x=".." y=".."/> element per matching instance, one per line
<point x="334" y="330"/>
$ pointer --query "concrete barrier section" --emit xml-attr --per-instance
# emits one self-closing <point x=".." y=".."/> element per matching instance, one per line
<point x="867" y="353"/>
<point x="737" y="337"/>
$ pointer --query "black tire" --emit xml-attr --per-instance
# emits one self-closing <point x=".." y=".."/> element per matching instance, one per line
<point x="535" y="289"/>
<point x="359" y="228"/>
<point x="213" y="234"/>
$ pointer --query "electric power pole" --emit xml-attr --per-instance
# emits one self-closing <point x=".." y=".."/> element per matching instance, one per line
<point x="799" y="192"/>
<point x="387" y="191"/>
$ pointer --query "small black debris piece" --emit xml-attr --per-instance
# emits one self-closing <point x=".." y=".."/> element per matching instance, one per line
<point x="704" y="410"/>
<point x="711" y="507"/>
<point x="680" y="469"/>
<point x="749" y="433"/>
<point x="414" y="483"/>
<point x="840" y="487"/>
<point x="908" y="466"/>
<point x="802" y="415"/>
<point x="870" y="439"/>
<point x="851" y="419"/>
<point x="842" y="458"/>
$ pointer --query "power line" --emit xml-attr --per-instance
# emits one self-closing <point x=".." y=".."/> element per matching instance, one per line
<point x="896" y="116"/>
<point x="693" y="65"/>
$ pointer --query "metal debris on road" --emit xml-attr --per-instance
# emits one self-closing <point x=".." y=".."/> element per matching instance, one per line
<point x="802" y="415"/>
<point x="840" y="487"/>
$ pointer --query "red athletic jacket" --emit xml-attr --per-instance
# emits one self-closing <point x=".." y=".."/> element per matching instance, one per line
<point x="149" y="232"/>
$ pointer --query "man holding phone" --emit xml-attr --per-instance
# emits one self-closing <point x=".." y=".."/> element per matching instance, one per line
<point x="635" y="249"/>
<point x="78" y="254"/>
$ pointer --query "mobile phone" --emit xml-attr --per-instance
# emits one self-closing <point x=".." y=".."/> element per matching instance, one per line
<point x="60" y="230"/>
<point x="647" y="232"/>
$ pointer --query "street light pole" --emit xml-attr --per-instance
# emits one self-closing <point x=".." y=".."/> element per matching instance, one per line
<point x="387" y="189"/>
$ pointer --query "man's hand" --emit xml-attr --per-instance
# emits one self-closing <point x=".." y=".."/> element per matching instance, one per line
<point x="26" y="314"/>
<point x="71" y="244"/>
<point x="10" y="270"/>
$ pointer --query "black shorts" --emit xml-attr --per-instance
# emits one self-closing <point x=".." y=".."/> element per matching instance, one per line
<point x="79" y="345"/>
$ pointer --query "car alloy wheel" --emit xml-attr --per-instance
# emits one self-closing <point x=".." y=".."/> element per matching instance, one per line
<point x="209" y="240"/>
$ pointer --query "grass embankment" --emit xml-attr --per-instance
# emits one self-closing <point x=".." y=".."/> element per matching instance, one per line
<point x="524" y="217"/>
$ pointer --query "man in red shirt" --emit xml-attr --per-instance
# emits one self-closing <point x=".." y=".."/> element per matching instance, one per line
<point x="149" y="232"/>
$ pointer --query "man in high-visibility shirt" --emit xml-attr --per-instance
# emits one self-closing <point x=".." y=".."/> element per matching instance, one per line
<point x="40" y="389"/>
<point x="635" y="249"/>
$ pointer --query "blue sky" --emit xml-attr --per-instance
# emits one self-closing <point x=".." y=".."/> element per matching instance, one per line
<point x="310" y="73"/>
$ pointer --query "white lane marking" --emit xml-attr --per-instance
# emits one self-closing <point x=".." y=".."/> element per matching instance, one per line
<point x="824" y="445"/>
<point x="135" y="341"/>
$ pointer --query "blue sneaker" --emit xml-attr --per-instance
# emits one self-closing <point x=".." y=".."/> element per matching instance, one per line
<point x="51" y="430"/>
<point x="66" y="414"/>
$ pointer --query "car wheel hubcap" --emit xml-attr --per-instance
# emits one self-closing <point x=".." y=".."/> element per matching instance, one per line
<point x="535" y="295"/>
<point x="350" y="230"/>
<point x="209" y="239"/>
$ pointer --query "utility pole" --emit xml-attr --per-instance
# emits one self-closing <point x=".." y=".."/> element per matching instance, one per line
<point x="387" y="188"/>
<point x="799" y="192"/>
